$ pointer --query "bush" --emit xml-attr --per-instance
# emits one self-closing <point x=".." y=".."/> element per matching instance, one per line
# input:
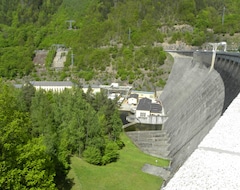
<point x="161" y="83"/>
<point x="92" y="155"/>
<point x="120" y="144"/>
<point x="50" y="57"/>
<point x="111" y="153"/>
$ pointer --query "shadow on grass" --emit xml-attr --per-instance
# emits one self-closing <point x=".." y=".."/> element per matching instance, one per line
<point x="61" y="179"/>
<point x="67" y="184"/>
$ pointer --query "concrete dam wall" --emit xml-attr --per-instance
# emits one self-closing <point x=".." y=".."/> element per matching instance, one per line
<point x="194" y="99"/>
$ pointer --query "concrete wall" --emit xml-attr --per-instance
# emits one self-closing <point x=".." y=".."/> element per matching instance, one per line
<point x="193" y="100"/>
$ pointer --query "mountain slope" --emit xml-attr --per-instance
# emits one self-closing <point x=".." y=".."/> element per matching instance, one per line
<point x="111" y="40"/>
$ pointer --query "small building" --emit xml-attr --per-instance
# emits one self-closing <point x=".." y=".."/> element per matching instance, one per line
<point x="133" y="99"/>
<point x="114" y="85"/>
<point x="143" y="108"/>
<point x="94" y="88"/>
<point x="56" y="86"/>
<point x="113" y="96"/>
<point x="148" y="113"/>
<point x="144" y="94"/>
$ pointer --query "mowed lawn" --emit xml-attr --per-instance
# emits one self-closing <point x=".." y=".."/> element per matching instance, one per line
<point x="125" y="174"/>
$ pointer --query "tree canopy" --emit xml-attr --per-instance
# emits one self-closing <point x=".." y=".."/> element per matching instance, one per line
<point x="40" y="130"/>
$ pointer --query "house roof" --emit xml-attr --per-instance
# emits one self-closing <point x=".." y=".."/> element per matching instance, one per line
<point x="134" y="96"/>
<point x="156" y="108"/>
<point x="144" y="104"/>
<point x="142" y="92"/>
<point x="51" y="83"/>
<point x="55" y="83"/>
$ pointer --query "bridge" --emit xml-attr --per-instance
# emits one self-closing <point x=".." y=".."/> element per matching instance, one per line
<point x="195" y="99"/>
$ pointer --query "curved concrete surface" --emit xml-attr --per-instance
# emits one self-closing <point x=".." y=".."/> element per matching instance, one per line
<point x="216" y="162"/>
<point x="194" y="99"/>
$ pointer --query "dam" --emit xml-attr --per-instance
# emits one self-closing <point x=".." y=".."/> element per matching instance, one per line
<point x="194" y="99"/>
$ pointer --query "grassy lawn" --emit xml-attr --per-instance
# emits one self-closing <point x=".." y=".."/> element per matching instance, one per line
<point x="124" y="174"/>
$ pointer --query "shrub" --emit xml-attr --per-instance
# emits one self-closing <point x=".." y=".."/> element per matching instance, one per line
<point x="120" y="144"/>
<point x="111" y="153"/>
<point x="161" y="83"/>
<point x="92" y="155"/>
<point x="50" y="56"/>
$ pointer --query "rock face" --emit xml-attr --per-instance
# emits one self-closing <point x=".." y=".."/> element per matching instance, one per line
<point x="194" y="99"/>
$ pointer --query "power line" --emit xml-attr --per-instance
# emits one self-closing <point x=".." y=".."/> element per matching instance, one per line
<point x="70" y="24"/>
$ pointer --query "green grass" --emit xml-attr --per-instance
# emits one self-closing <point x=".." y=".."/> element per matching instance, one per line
<point x="124" y="174"/>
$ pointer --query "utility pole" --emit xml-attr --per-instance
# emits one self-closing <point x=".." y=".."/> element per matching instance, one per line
<point x="72" y="60"/>
<point x="129" y="33"/>
<point x="223" y="15"/>
<point x="70" y="24"/>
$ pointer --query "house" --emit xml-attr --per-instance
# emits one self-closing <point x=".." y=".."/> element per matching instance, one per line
<point x="133" y="99"/>
<point x="143" y="108"/>
<point x="148" y="112"/>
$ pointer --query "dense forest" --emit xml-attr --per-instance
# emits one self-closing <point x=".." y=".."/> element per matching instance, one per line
<point x="111" y="40"/>
<point x="40" y="130"/>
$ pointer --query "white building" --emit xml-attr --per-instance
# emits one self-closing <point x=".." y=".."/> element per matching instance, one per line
<point x="56" y="86"/>
<point x="148" y="113"/>
<point x="144" y="94"/>
<point x="133" y="99"/>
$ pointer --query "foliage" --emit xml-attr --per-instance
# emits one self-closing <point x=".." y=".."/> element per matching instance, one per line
<point x="93" y="155"/>
<point x="15" y="62"/>
<point x="50" y="57"/>
<point x="40" y="130"/>
<point x="99" y="27"/>
<point x="110" y="153"/>
<point x="25" y="96"/>
<point x="24" y="162"/>
<point x="67" y="121"/>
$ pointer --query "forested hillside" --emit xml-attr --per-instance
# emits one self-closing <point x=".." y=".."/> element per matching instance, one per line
<point x="111" y="40"/>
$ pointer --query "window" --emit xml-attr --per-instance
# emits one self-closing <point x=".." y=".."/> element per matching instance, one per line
<point x="142" y="114"/>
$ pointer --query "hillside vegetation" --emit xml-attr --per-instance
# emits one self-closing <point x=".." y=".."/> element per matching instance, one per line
<point x="111" y="40"/>
<point x="40" y="131"/>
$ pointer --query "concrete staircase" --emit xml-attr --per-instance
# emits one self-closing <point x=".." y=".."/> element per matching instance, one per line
<point x="153" y="142"/>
